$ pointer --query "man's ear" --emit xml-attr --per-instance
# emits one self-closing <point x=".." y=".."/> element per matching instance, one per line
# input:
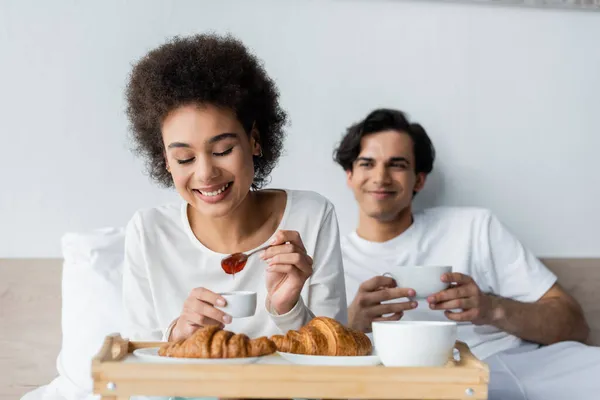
<point x="420" y="181"/>
<point x="349" y="178"/>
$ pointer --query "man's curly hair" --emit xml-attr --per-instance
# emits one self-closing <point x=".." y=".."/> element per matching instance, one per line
<point x="203" y="69"/>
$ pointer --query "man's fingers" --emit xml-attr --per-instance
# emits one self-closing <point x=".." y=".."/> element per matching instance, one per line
<point x="393" y="317"/>
<point x="386" y="294"/>
<point x="464" y="316"/>
<point x="456" y="277"/>
<point x="366" y="299"/>
<point x="464" y="304"/>
<point x="390" y="308"/>
<point x="455" y="292"/>
<point x="376" y="283"/>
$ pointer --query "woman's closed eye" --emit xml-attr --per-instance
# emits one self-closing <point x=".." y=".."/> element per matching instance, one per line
<point x="224" y="153"/>
<point x="186" y="161"/>
<point x="216" y="154"/>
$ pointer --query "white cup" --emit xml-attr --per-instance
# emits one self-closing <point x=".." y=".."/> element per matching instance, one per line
<point x="240" y="304"/>
<point x="414" y="343"/>
<point x="425" y="280"/>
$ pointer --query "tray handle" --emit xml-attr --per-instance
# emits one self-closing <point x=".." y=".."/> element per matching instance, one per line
<point x="467" y="359"/>
<point x="114" y="348"/>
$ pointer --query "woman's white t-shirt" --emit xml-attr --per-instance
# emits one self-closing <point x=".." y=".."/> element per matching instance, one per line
<point x="471" y="240"/>
<point x="164" y="261"/>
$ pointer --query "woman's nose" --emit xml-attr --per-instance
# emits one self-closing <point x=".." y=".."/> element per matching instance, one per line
<point x="205" y="169"/>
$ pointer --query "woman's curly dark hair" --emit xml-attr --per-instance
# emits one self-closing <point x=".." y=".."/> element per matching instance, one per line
<point x="203" y="69"/>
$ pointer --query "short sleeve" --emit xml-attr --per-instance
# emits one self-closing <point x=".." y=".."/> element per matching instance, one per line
<point x="512" y="271"/>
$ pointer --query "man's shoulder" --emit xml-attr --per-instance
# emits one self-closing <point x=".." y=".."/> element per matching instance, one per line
<point x="454" y="214"/>
<point x="441" y="218"/>
<point x="458" y="222"/>
<point x="437" y="221"/>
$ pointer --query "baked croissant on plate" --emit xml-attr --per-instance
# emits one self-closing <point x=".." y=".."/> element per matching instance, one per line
<point x="215" y="342"/>
<point x="324" y="336"/>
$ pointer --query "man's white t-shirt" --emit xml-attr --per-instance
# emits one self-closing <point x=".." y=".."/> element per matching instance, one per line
<point x="471" y="240"/>
<point x="164" y="261"/>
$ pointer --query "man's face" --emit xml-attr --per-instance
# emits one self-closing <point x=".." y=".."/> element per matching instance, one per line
<point x="383" y="176"/>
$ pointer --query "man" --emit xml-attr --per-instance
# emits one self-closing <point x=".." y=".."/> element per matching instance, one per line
<point x="508" y="306"/>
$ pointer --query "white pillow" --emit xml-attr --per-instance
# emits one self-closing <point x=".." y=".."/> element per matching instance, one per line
<point x="91" y="303"/>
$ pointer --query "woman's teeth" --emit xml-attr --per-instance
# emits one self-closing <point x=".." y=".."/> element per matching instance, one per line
<point x="216" y="192"/>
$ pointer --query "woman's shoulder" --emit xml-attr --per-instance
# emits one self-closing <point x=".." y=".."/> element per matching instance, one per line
<point x="162" y="215"/>
<point x="309" y="203"/>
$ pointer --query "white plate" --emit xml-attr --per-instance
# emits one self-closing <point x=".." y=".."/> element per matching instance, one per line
<point x="351" y="361"/>
<point x="151" y="354"/>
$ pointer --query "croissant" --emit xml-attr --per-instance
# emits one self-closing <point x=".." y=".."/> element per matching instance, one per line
<point x="215" y="342"/>
<point x="324" y="336"/>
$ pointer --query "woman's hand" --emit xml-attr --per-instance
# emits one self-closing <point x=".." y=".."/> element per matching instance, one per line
<point x="289" y="267"/>
<point x="198" y="311"/>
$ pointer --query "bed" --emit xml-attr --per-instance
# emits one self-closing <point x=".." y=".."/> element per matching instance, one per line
<point x="30" y="316"/>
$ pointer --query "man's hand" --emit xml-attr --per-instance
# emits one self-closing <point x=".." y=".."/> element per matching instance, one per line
<point x="555" y="317"/>
<point x="366" y="306"/>
<point x="478" y="307"/>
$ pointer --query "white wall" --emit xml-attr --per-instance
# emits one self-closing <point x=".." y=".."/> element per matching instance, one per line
<point x="509" y="96"/>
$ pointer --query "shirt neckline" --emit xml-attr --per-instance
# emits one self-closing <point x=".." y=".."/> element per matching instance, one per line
<point x="190" y="233"/>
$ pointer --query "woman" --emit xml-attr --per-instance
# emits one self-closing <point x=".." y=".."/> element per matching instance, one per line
<point x="206" y="119"/>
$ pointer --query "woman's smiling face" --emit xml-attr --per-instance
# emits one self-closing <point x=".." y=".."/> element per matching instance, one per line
<point x="210" y="157"/>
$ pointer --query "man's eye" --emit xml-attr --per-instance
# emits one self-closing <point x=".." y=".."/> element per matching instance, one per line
<point x="398" y="166"/>
<point x="189" y="160"/>
<point x="364" y="164"/>
<point x="223" y="153"/>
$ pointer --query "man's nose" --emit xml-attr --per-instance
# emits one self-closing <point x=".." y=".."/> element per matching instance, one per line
<point x="382" y="175"/>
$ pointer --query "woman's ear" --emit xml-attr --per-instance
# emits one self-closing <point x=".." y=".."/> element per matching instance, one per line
<point x="255" y="142"/>
<point x="166" y="162"/>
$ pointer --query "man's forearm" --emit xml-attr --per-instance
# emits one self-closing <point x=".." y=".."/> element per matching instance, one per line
<point x="546" y="321"/>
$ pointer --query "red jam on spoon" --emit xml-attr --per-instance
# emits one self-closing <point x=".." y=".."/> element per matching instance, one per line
<point x="234" y="263"/>
<point x="237" y="261"/>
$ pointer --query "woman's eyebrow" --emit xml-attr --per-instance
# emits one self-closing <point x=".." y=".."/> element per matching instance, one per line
<point x="222" y="136"/>
<point x="178" y="144"/>
<point x="213" y="139"/>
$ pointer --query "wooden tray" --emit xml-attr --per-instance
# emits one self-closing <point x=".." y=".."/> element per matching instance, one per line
<point x="117" y="376"/>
